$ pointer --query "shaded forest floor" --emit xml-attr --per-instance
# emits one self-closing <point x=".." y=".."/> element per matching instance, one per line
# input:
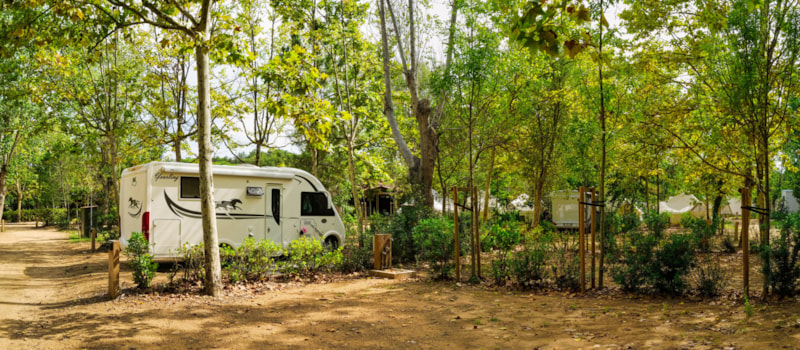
<point x="52" y="293"/>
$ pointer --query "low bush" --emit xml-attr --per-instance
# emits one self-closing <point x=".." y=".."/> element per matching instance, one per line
<point x="434" y="237"/>
<point x="529" y="266"/>
<point x="656" y="223"/>
<point x="505" y="237"/>
<point x="785" y="272"/>
<point x="307" y="257"/>
<point x="709" y="278"/>
<point x="647" y="262"/>
<point x="252" y="261"/>
<point x="140" y="259"/>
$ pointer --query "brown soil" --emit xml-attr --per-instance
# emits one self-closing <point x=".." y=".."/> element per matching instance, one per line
<point x="52" y="296"/>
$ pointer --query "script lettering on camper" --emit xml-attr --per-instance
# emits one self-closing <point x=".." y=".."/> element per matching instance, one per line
<point x="162" y="175"/>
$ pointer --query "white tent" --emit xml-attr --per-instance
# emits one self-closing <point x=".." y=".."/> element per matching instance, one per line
<point x="683" y="203"/>
<point x="789" y="201"/>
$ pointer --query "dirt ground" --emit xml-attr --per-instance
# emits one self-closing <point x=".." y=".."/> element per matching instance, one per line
<point x="52" y="296"/>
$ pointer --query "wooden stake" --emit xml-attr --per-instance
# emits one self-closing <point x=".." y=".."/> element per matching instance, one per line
<point x="581" y="230"/>
<point x="94" y="236"/>
<point x="455" y="235"/>
<point x="593" y="210"/>
<point x="745" y="240"/>
<point x="113" y="270"/>
<point x="476" y="217"/>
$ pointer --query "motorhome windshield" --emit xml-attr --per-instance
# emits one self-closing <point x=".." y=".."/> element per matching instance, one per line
<point x="314" y="204"/>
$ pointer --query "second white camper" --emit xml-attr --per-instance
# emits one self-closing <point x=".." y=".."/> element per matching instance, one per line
<point x="162" y="200"/>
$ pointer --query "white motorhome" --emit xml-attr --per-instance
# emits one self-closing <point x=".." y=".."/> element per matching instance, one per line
<point x="162" y="200"/>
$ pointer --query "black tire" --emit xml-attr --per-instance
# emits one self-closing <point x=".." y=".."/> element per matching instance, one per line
<point x="331" y="243"/>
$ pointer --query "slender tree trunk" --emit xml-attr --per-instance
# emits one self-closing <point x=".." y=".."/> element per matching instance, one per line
<point x="488" y="191"/>
<point x="601" y="190"/>
<point x="213" y="273"/>
<point x="18" y="184"/>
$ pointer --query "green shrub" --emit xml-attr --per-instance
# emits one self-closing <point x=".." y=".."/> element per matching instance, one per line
<point x="401" y="227"/>
<point x="566" y="263"/>
<point x="356" y="258"/>
<point x="436" y="245"/>
<point x="656" y="223"/>
<point x="194" y="262"/>
<point x="709" y="278"/>
<point x="252" y="261"/>
<point x="701" y="230"/>
<point x="785" y="272"/>
<point x="307" y="257"/>
<point x="140" y="259"/>
<point x="505" y="237"/>
<point x="672" y="263"/>
<point x="529" y="266"/>
<point x="647" y="262"/>
<point x="632" y="266"/>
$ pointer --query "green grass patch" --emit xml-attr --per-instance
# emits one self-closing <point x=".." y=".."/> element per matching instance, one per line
<point x="75" y="237"/>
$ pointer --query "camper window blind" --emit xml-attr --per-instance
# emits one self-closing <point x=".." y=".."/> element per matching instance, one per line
<point x="190" y="187"/>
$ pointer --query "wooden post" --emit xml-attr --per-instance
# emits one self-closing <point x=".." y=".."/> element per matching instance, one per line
<point x="745" y="240"/>
<point x="379" y="243"/>
<point x="94" y="236"/>
<point x="455" y="236"/>
<point x="113" y="270"/>
<point x="581" y="230"/>
<point x="592" y="213"/>
<point x="476" y="230"/>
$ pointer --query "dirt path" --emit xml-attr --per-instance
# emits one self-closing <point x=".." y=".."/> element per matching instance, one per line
<point x="52" y="297"/>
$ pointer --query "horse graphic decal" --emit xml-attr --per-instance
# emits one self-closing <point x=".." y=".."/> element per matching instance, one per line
<point x="223" y="209"/>
<point x="229" y="205"/>
<point x="134" y="205"/>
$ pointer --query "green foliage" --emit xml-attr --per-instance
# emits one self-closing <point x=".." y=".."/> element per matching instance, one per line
<point x="701" y="231"/>
<point x="251" y="261"/>
<point x="193" y="262"/>
<point x="784" y="276"/>
<point x="140" y="259"/>
<point x="434" y="237"/>
<point x="648" y="262"/>
<point x="748" y="308"/>
<point x="504" y="236"/>
<point x="709" y="278"/>
<point x="656" y="223"/>
<point x="529" y="266"/>
<point x="307" y="257"/>
<point x="401" y="227"/>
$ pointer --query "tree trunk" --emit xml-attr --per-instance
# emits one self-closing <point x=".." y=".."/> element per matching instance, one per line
<point x="488" y="186"/>
<point x="354" y="192"/>
<point x="601" y="190"/>
<point x="18" y="184"/>
<point x="213" y="273"/>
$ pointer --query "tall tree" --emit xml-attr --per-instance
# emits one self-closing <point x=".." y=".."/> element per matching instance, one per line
<point x="194" y="22"/>
<point x="420" y="168"/>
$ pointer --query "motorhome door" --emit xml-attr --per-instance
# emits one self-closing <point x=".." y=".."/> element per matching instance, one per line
<point x="273" y="231"/>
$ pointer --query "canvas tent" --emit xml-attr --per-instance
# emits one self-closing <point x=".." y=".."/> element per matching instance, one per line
<point x="678" y="205"/>
<point x="789" y="201"/>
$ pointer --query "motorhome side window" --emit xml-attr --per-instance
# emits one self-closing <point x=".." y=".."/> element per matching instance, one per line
<point x="190" y="187"/>
<point x="314" y="204"/>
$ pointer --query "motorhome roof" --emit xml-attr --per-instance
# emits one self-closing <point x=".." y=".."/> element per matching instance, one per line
<point x="232" y="170"/>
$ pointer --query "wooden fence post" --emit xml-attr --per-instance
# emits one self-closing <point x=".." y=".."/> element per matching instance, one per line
<point x="592" y="213"/>
<point x="745" y="239"/>
<point x="113" y="270"/>
<point x="455" y="236"/>
<point x="476" y="218"/>
<point x="581" y="230"/>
